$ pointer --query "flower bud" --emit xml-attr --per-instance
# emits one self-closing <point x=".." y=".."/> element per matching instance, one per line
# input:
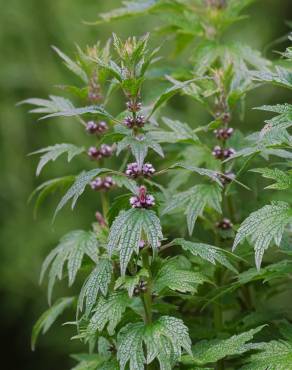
<point x="223" y="133"/>
<point x="227" y="153"/>
<point x="133" y="106"/>
<point x="91" y="127"/>
<point x="142" y="200"/>
<point x="226" y="178"/>
<point x="224" y="224"/>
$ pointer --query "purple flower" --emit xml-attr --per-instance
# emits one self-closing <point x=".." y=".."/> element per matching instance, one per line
<point x="142" y="200"/>
<point x="93" y="153"/>
<point x="223" y="133"/>
<point x="224" y="224"/>
<point x="133" y="106"/>
<point x="133" y="170"/>
<point x="226" y="178"/>
<point x="91" y="127"/>
<point x="102" y="184"/>
<point x="148" y="170"/>
<point x="227" y="153"/>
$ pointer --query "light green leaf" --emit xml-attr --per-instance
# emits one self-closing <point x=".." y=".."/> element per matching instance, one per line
<point x="194" y="201"/>
<point x="164" y="339"/>
<point x="108" y="313"/>
<point x="98" y="281"/>
<point x="206" y="252"/>
<point x="53" y="105"/>
<point x="177" y="276"/>
<point x="71" y="249"/>
<point x="51" y="153"/>
<point x="126" y="233"/>
<point x="207" y="352"/>
<point x="283" y="179"/>
<point x="263" y="227"/>
<point x="71" y="65"/>
<point x="49" y="317"/>
<point x="78" y="188"/>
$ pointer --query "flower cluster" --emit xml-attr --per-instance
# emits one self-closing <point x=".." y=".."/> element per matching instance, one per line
<point x="133" y="170"/>
<point x="100" y="183"/>
<point x="224" y="224"/>
<point x="226" y="177"/>
<point x="98" y="153"/>
<point x="221" y="153"/>
<point x="93" y="127"/>
<point x="140" y="288"/>
<point x="223" y="133"/>
<point x="134" y="121"/>
<point x="94" y="93"/>
<point x="142" y="200"/>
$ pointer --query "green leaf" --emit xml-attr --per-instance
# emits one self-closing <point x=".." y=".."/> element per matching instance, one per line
<point x="108" y="313"/>
<point x="139" y="147"/>
<point x="179" y="132"/>
<point x="49" y="187"/>
<point x="274" y="355"/>
<point x="167" y="94"/>
<point x="53" y="105"/>
<point x="71" y="65"/>
<point x="98" y="281"/>
<point x="49" y="317"/>
<point x="206" y="252"/>
<point x="213" y="175"/>
<point x="71" y="249"/>
<point x="78" y="188"/>
<point x="178" y="276"/>
<point x="206" y="352"/>
<point x="283" y="179"/>
<point x="281" y="77"/>
<point x="194" y="201"/>
<point x="73" y="112"/>
<point x="263" y="227"/>
<point x="164" y="339"/>
<point x="51" y="153"/>
<point x="126" y="233"/>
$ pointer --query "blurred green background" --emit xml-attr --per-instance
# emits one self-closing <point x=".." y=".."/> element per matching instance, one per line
<point x="29" y="68"/>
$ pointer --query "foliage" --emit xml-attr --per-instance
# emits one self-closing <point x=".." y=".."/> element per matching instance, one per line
<point x="139" y="269"/>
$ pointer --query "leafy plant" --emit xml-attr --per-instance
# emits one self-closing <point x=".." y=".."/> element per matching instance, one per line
<point x="156" y="283"/>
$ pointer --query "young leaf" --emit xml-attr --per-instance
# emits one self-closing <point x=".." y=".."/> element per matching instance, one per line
<point x="49" y="317"/>
<point x="276" y="354"/>
<point x="129" y="282"/>
<point x="164" y="340"/>
<point x="78" y="188"/>
<point x="51" y="153"/>
<point x="98" y="280"/>
<point x="71" y="65"/>
<point x="195" y="200"/>
<point x="207" y="352"/>
<point x="174" y="276"/>
<point x="283" y="179"/>
<point x="71" y="249"/>
<point x="108" y="313"/>
<point x="206" y="252"/>
<point x="126" y="233"/>
<point x="139" y="147"/>
<point x="263" y="227"/>
<point x="179" y="132"/>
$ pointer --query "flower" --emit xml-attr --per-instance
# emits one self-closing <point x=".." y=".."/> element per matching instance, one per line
<point x="102" y="184"/>
<point x="224" y="224"/>
<point x="142" y="200"/>
<point x="133" y="170"/>
<point x="224" y="133"/>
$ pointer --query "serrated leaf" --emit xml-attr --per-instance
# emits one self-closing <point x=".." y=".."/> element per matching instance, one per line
<point x="179" y="132"/>
<point x="175" y="277"/>
<point x="98" y="281"/>
<point x="71" y="65"/>
<point x="281" y="77"/>
<point x="207" y="352"/>
<point x="164" y="340"/>
<point x="139" y="147"/>
<point x="49" y="317"/>
<point x="73" y="112"/>
<point x="53" y="105"/>
<point x="129" y="282"/>
<point x="264" y="226"/>
<point x="126" y="233"/>
<point x="274" y="355"/>
<point x="51" y="153"/>
<point x="78" y="188"/>
<point x="108" y="313"/>
<point x="206" y="252"/>
<point x="283" y="179"/>
<point x="194" y="201"/>
<point x="71" y="250"/>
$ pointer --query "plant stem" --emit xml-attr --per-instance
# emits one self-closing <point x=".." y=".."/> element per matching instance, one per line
<point x="147" y="297"/>
<point x="104" y="204"/>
